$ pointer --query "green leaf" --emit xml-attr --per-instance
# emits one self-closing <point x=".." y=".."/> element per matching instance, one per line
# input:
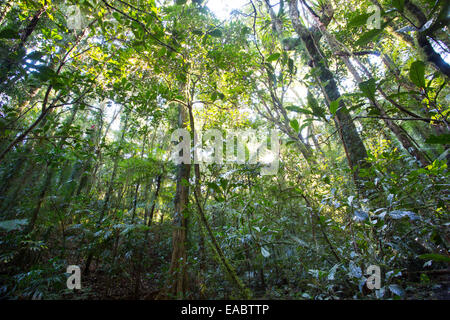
<point x="368" y="88"/>
<point x="217" y="33"/>
<point x="361" y="215"/>
<point x="9" y="33"/>
<point x="398" y="4"/>
<point x="11" y="225"/>
<point x="299" y="110"/>
<point x="291" y="66"/>
<point x="273" y="57"/>
<point x="117" y="16"/>
<point x="265" y="252"/>
<point x="46" y="73"/>
<point x="441" y="139"/>
<point x="223" y="183"/>
<point x="334" y="106"/>
<point x="291" y="141"/>
<point x="396" y="289"/>
<point x="197" y="32"/>
<point x="435" y="257"/>
<point x="215" y="187"/>
<point x="294" y="124"/>
<point x="314" y="105"/>
<point x="55" y="35"/>
<point x="161" y="52"/>
<point x="35" y="55"/>
<point x="374" y="112"/>
<point x="332" y="272"/>
<point x="401" y="94"/>
<point x="355" y="270"/>
<point x="358" y="20"/>
<point x="398" y="214"/>
<point x="368" y="36"/>
<point x="300" y="241"/>
<point x="417" y="73"/>
<point x="305" y="123"/>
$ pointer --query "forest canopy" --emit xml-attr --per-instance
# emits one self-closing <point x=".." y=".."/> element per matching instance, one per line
<point x="292" y="149"/>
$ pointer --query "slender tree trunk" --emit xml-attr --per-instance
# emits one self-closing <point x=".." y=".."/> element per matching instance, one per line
<point x="15" y="50"/>
<point x="155" y="198"/>
<point x="398" y="132"/>
<point x="231" y="272"/>
<point x="178" y="268"/>
<point x="22" y="136"/>
<point x="421" y="37"/>
<point x="108" y="193"/>
<point x="137" y="282"/>
<point x="148" y="188"/>
<point x="45" y="187"/>
<point x="49" y="176"/>
<point x="136" y="193"/>
<point x="354" y="147"/>
<point x="45" y="109"/>
<point x="283" y="121"/>
<point x="314" y="139"/>
<point x="4" y="11"/>
<point x="420" y="41"/>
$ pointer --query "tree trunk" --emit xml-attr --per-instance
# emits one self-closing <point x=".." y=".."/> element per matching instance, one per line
<point x="108" y="194"/>
<point x="45" y="187"/>
<point x="15" y="50"/>
<point x="231" y="272"/>
<point x="178" y="266"/>
<point x="399" y="133"/>
<point x="137" y="282"/>
<point x="4" y="11"/>
<point x="354" y="148"/>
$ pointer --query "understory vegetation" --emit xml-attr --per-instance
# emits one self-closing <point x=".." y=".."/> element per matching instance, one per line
<point x="356" y="91"/>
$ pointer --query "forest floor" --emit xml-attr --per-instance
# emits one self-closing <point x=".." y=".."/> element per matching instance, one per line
<point x="100" y="286"/>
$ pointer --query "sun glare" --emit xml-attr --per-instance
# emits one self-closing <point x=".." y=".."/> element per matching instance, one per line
<point x="222" y="8"/>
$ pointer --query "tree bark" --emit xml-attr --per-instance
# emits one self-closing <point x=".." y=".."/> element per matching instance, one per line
<point x="354" y="147"/>
<point x="178" y="266"/>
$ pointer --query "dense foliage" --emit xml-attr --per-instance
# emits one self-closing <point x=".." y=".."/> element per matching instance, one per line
<point x="91" y="90"/>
